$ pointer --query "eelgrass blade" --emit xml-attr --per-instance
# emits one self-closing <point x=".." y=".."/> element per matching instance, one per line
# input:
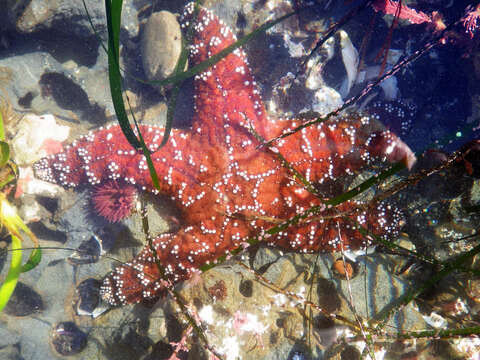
<point x="348" y="195"/>
<point x="4" y="148"/>
<point x="33" y="260"/>
<point x="440" y="333"/>
<point x="4" y="153"/>
<point x="332" y="30"/>
<point x="14" y="271"/>
<point x="312" y="211"/>
<point x="114" y="12"/>
<point x="14" y="224"/>
<point x="170" y="113"/>
<point x="355" y="99"/>
<point x="2" y="129"/>
<point x="8" y="179"/>
<point x="472" y="209"/>
<point x="161" y="270"/>
<point x="99" y="39"/>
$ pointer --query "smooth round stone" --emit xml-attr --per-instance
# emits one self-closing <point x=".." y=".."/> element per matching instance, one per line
<point x="161" y="45"/>
<point x="68" y="339"/>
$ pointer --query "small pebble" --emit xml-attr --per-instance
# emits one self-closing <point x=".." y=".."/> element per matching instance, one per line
<point x="343" y="269"/>
<point x="88" y="252"/>
<point x="161" y="45"/>
<point x="88" y="292"/>
<point x="68" y="339"/>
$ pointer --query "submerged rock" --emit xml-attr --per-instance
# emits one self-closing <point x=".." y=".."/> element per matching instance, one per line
<point x="36" y="137"/>
<point x="161" y="45"/>
<point x="24" y="301"/>
<point x="88" y="292"/>
<point x="68" y="16"/>
<point x="88" y="252"/>
<point x="67" y="339"/>
<point x="239" y="310"/>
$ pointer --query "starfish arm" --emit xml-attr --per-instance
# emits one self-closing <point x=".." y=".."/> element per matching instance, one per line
<point x="179" y="255"/>
<point x="337" y="228"/>
<point x="228" y="96"/>
<point x="340" y="146"/>
<point x="226" y="92"/>
<point x="105" y="155"/>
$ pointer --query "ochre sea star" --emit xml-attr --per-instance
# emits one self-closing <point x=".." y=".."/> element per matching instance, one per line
<point x="226" y="188"/>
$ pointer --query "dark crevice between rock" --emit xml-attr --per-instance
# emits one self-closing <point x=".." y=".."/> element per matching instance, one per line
<point x="69" y="95"/>
<point x="42" y="232"/>
<point x="328" y="298"/>
<point x="51" y="204"/>
<point x="246" y="288"/>
<point x="26" y="100"/>
<point x="83" y="51"/>
<point x="160" y="351"/>
<point x="24" y="301"/>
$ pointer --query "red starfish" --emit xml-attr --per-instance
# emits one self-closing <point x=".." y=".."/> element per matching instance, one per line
<point x="226" y="188"/>
<point x="402" y="11"/>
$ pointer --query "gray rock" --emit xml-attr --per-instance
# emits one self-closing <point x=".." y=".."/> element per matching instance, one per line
<point x="475" y="193"/>
<point x="157" y="325"/>
<point x="69" y="17"/>
<point x="8" y="338"/>
<point x="56" y="281"/>
<point x="10" y="352"/>
<point x="67" y="339"/>
<point x="68" y="90"/>
<point x="157" y="211"/>
<point x="161" y="45"/>
<point x="238" y="310"/>
<point x="120" y="334"/>
<point x="265" y="256"/>
<point x="53" y="283"/>
<point x="26" y="70"/>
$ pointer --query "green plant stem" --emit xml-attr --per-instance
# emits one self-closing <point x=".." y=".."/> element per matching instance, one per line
<point x="14" y="271"/>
